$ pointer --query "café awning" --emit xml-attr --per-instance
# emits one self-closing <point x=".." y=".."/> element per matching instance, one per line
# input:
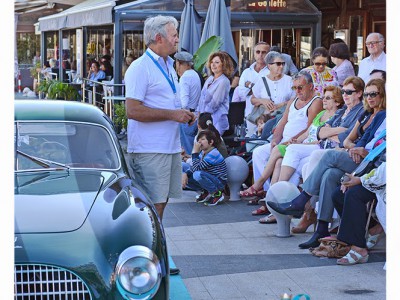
<point x="87" y="13"/>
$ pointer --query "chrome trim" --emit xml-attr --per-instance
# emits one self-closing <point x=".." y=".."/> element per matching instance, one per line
<point x="35" y="281"/>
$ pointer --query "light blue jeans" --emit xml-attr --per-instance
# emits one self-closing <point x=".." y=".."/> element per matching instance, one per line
<point x="201" y="180"/>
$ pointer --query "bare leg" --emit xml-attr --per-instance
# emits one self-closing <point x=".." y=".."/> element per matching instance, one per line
<point x="286" y="173"/>
<point x="160" y="209"/>
<point x="277" y="171"/>
<point x="269" y="169"/>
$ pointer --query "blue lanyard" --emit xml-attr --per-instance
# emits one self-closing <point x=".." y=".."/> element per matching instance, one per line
<point x="171" y="82"/>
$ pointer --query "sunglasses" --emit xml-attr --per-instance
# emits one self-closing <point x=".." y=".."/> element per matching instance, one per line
<point x="369" y="44"/>
<point x="278" y="63"/>
<point x="262" y="52"/>
<point x="348" y="92"/>
<point x="328" y="98"/>
<point x="299" y="87"/>
<point x="318" y="64"/>
<point x="372" y="94"/>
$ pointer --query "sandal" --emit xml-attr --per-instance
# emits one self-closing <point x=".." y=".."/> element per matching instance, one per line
<point x="352" y="258"/>
<point x="251" y="192"/>
<point x="270" y="219"/>
<point x="253" y="202"/>
<point x="263" y="210"/>
<point x="372" y="240"/>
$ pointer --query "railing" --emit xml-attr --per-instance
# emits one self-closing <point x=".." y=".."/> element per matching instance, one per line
<point x="101" y="94"/>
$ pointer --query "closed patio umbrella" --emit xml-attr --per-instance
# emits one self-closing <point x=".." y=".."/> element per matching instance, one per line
<point x="218" y="23"/>
<point x="190" y="28"/>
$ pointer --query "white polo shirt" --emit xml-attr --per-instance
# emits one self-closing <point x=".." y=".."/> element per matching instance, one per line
<point x="368" y="64"/>
<point x="145" y="82"/>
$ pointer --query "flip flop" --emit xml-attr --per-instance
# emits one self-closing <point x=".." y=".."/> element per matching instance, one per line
<point x="270" y="219"/>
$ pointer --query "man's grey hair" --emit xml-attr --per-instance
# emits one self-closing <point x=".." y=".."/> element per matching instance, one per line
<point x="271" y="56"/>
<point x="306" y="75"/>
<point x="157" y="25"/>
<point x="380" y="36"/>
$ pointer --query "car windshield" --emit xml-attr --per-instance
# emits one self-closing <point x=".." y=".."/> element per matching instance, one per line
<point x="51" y="145"/>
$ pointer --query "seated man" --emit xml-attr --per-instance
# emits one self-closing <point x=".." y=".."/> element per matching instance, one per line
<point x="298" y="116"/>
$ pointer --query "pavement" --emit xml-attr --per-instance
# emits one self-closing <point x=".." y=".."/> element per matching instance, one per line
<point x="224" y="253"/>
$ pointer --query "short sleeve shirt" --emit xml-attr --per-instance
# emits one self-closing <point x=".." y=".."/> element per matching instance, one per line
<point x="145" y="82"/>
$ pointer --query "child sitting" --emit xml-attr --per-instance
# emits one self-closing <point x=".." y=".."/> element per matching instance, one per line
<point x="208" y="171"/>
<point x="260" y="122"/>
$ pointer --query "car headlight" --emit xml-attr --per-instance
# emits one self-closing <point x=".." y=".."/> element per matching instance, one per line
<point x="138" y="272"/>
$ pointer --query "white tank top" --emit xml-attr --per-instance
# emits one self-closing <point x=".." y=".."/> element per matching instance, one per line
<point x="297" y="119"/>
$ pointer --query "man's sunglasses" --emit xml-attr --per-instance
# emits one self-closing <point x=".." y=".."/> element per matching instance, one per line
<point x="348" y="92"/>
<point x="262" y="52"/>
<point x="372" y="94"/>
<point x="299" y="87"/>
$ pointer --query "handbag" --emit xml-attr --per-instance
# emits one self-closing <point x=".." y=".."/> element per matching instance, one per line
<point x="258" y="110"/>
<point x="331" y="247"/>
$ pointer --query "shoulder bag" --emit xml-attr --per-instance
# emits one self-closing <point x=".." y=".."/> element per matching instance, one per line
<point x="258" y="110"/>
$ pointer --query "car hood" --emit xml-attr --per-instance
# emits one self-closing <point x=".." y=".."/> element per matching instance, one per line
<point x="54" y="202"/>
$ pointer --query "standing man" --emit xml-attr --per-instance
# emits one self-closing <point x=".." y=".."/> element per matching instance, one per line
<point x="190" y="87"/>
<point x="376" y="60"/>
<point x="250" y="76"/>
<point x="153" y="108"/>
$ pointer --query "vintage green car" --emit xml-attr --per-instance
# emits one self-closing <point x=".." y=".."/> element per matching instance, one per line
<point x="83" y="228"/>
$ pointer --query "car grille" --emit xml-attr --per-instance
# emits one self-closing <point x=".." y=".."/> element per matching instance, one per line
<point x="48" y="282"/>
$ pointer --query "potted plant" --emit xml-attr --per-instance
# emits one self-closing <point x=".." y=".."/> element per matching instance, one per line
<point x="55" y="89"/>
<point x="120" y="118"/>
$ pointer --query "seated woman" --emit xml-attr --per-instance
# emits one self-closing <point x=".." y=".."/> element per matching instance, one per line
<point x="95" y="74"/>
<point x="107" y="68"/>
<point x="324" y="179"/>
<point x="332" y="102"/>
<point x="350" y="201"/>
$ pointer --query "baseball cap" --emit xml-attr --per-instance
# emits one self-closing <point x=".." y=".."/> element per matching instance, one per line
<point x="184" y="56"/>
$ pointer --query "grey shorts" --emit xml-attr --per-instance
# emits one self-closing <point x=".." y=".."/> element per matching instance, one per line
<point x="158" y="174"/>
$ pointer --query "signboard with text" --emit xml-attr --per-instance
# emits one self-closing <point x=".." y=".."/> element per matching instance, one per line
<point x="270" y="5"/>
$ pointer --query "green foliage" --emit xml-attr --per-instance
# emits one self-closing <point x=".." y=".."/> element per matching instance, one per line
<point x="213" y="44"/>
<point x="58" y="90"/>
<point x="120" y="118"/>
<point x="35" y="70"/>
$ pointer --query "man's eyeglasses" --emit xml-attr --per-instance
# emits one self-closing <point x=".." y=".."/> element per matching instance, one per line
<point x="372" y="94"/>
<point x="278" y="63"/>
<point x="262" y="52"/>
<point x="348" y="92"/>
<point x="318" y="64"/>
<point x="369" y="44"/>
<point x="298" y="87"/>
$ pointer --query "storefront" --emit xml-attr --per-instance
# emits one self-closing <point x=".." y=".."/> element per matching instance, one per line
<point x="77" y="35"/>
<point x="294" y="25"/>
